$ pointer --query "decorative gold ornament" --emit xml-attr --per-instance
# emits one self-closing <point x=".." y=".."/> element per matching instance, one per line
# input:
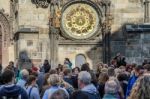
<point x="80" y="20"/>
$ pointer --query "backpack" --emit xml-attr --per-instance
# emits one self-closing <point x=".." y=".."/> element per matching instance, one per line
<point x="30" y="90"/>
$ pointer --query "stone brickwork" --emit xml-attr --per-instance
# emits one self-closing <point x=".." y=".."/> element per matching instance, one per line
<point x="29" y="15"/>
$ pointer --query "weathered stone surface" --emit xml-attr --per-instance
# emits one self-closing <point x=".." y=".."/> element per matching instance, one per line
<point x="134" y="46"/>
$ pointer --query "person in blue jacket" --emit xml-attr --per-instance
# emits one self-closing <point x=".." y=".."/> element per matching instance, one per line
<point x="137" y="72"/>
<point x="32" y="90"/>
<point x="10" y="90"/>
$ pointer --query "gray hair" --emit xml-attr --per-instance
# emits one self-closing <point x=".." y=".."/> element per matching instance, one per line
<point x="24" y="73"/>
<point x="85" y="77"/>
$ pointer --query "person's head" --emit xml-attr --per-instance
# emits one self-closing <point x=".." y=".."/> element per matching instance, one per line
<point x="60" y="68"/>
<point x="111" y="87"/>
<point x="24" y="74"/>
<point x="8" y="76"/>
<point x="139" y="70"/>
<point x="122" y="68"/>
<point x="141" y="89"/>
<point x="111" y="71"/>
<point x="117" y="71"/>
<point x="67" y="72"/>
<point x="54" y="80"/>
<point x="85" y="67"/>
<point x="104" y="70"/>
<point x="46" y="61"/>
<point x="129" y="68"/>
<point x="59" y="94"/>
<point x="84" y="78"/>
<point x="11" y="63"/>
<point x="67" y="60"/>
<point x="147" y="68"/>
<point x="103" y="77"/>
<point x="122" y="77"/>
<point x="99" y="67"/>
<point x="31" y="80"/>
<point x="53" y="71"/>
<point x="76" y="70"/>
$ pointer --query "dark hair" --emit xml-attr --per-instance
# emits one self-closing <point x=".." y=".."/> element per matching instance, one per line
<point x="122" y="77"/>
<point x="67" y="71"/>
<point x="11" y="62"/>
<point x="147" y="67"/>
<point x="138" y="68"/>
<point x="30" y="79"/>
<point x="73" y="70"/>
<point x="111" y="71"/>
<point x="46" y="62"/>
<point x="67" y="59"/>
<point x="85" y="67"/>
<point x="59" y="94"/>
<point x="53" y="71"/>
<point x="7" y="76"/>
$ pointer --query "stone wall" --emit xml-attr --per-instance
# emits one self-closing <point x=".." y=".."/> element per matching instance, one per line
<point x="128" y="12"/>
<point x="93" y="56"/>
<point x="29" y="15"/>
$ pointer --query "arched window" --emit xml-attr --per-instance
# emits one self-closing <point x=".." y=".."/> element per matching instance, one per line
<point x="80" y="59"/>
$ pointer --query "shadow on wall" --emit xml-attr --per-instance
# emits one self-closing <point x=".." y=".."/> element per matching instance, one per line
<point x="24" y="62"/>
<point x="117" y="41"/>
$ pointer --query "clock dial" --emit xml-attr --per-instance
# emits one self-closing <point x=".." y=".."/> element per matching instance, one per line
<point x="80" y="21"/>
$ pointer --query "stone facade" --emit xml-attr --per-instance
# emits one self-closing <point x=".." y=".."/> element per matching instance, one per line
<point x="31" y="31"/>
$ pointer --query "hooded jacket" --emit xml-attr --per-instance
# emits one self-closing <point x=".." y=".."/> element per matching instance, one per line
<point x="91" y="91"/>
<point x="10" y="91"/>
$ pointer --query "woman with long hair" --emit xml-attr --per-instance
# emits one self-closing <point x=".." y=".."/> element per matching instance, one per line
<point x="141" y="89"/>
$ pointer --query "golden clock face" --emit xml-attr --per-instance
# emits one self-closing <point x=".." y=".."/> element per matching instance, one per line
<point x="80" y="21"/>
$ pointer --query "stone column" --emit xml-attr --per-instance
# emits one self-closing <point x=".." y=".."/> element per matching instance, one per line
<point x="53" y="46"/>
<point x="146" y="9"/>
<point x="106" y="32"/>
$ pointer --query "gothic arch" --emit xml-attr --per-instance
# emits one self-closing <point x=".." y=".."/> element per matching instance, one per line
<point x="4" y="38"/>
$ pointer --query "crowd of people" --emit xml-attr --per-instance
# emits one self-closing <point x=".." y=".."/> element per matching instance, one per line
<point x="118" y="80"/>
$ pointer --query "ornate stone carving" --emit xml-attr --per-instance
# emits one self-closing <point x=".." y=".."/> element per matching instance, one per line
<point x="4" y="22"/>
<point x="41" y="3"/>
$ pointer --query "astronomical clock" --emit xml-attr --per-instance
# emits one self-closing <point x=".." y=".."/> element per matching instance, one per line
<point x="80" y="20"/>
